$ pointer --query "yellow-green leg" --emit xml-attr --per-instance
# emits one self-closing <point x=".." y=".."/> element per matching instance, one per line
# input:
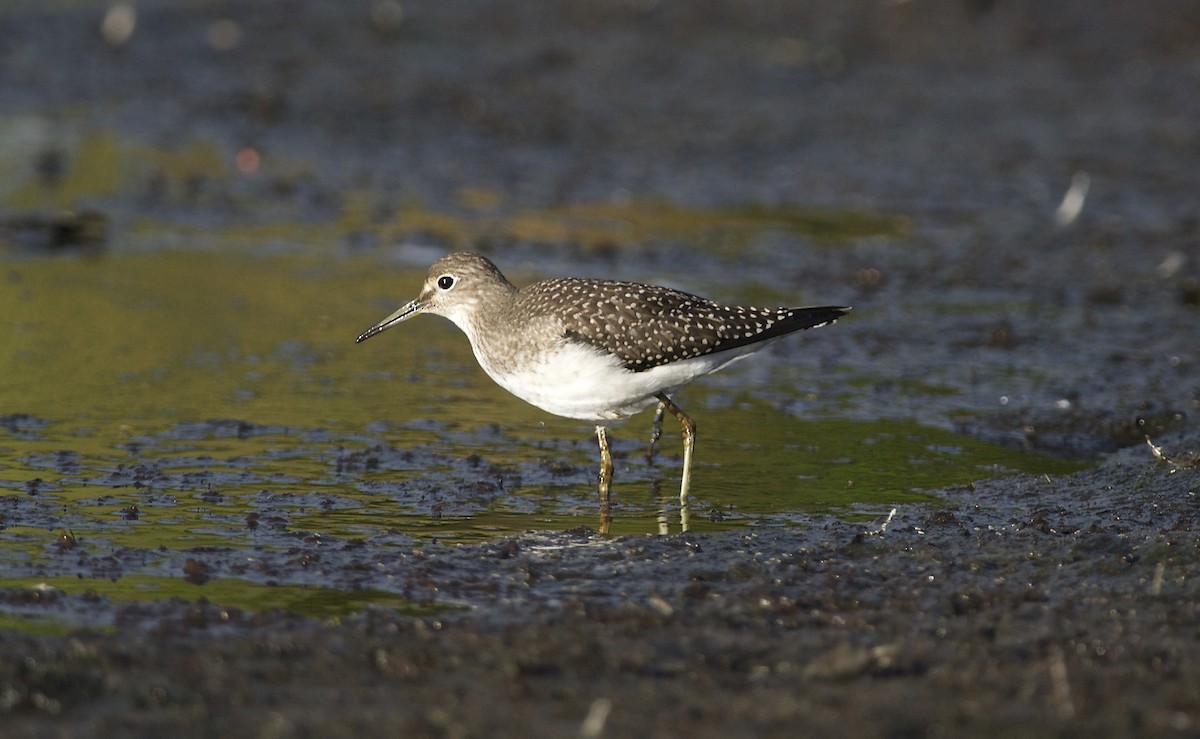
<point x="689" y="444"/>
<point x="605" y="480"/>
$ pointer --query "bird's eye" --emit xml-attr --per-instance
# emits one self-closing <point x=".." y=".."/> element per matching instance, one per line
<point x="445" y="282"/>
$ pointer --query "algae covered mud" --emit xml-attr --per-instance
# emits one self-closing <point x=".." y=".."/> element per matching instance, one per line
<point x="178" y="400"/>
<point x="172" y="400"/>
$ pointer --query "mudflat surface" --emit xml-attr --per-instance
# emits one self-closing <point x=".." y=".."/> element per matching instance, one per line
<point x="1005" y="191"/>
<point x="1017" y="607"/>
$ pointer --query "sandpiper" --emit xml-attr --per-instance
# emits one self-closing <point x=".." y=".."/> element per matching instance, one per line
<point x="598" y="350"/>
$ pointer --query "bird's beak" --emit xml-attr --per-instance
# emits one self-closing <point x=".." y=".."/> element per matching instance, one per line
<point x="408" y="310"/>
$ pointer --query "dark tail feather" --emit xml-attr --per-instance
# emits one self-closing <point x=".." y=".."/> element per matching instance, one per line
<point x="816" y="317"/>
<point x="800" y="319"/>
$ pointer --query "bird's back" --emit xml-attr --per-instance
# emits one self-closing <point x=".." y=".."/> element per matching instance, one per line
<point x="647" y="326"/>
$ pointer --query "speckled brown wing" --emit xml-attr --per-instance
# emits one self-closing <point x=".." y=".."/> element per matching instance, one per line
<point x="647" y="326"/>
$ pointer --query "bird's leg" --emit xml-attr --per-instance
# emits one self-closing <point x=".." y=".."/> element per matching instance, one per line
<point x="605" y="479"/>
<point x="689" y="443"/>
<point x="655" y="431"/>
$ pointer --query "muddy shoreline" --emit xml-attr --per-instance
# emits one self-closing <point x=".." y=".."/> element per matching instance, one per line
<point x="1022" y="606"/>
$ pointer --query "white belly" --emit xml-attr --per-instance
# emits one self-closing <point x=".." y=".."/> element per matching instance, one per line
<point x="579" y="381"/>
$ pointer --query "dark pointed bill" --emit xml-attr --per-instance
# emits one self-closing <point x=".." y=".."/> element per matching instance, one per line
<point x="408" y="310"/>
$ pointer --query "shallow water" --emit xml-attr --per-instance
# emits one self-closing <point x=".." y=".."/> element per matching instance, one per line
<point x="182" y="399"/>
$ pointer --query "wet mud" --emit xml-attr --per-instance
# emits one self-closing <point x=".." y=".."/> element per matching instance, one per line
<point x="1021" y="606"/>
<point x="939" y="517"/>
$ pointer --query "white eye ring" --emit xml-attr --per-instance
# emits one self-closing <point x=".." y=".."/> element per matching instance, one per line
<point x="445" y="282"/>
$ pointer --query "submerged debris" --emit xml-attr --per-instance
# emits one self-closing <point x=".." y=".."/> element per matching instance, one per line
<point x="1190" y="460"/>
